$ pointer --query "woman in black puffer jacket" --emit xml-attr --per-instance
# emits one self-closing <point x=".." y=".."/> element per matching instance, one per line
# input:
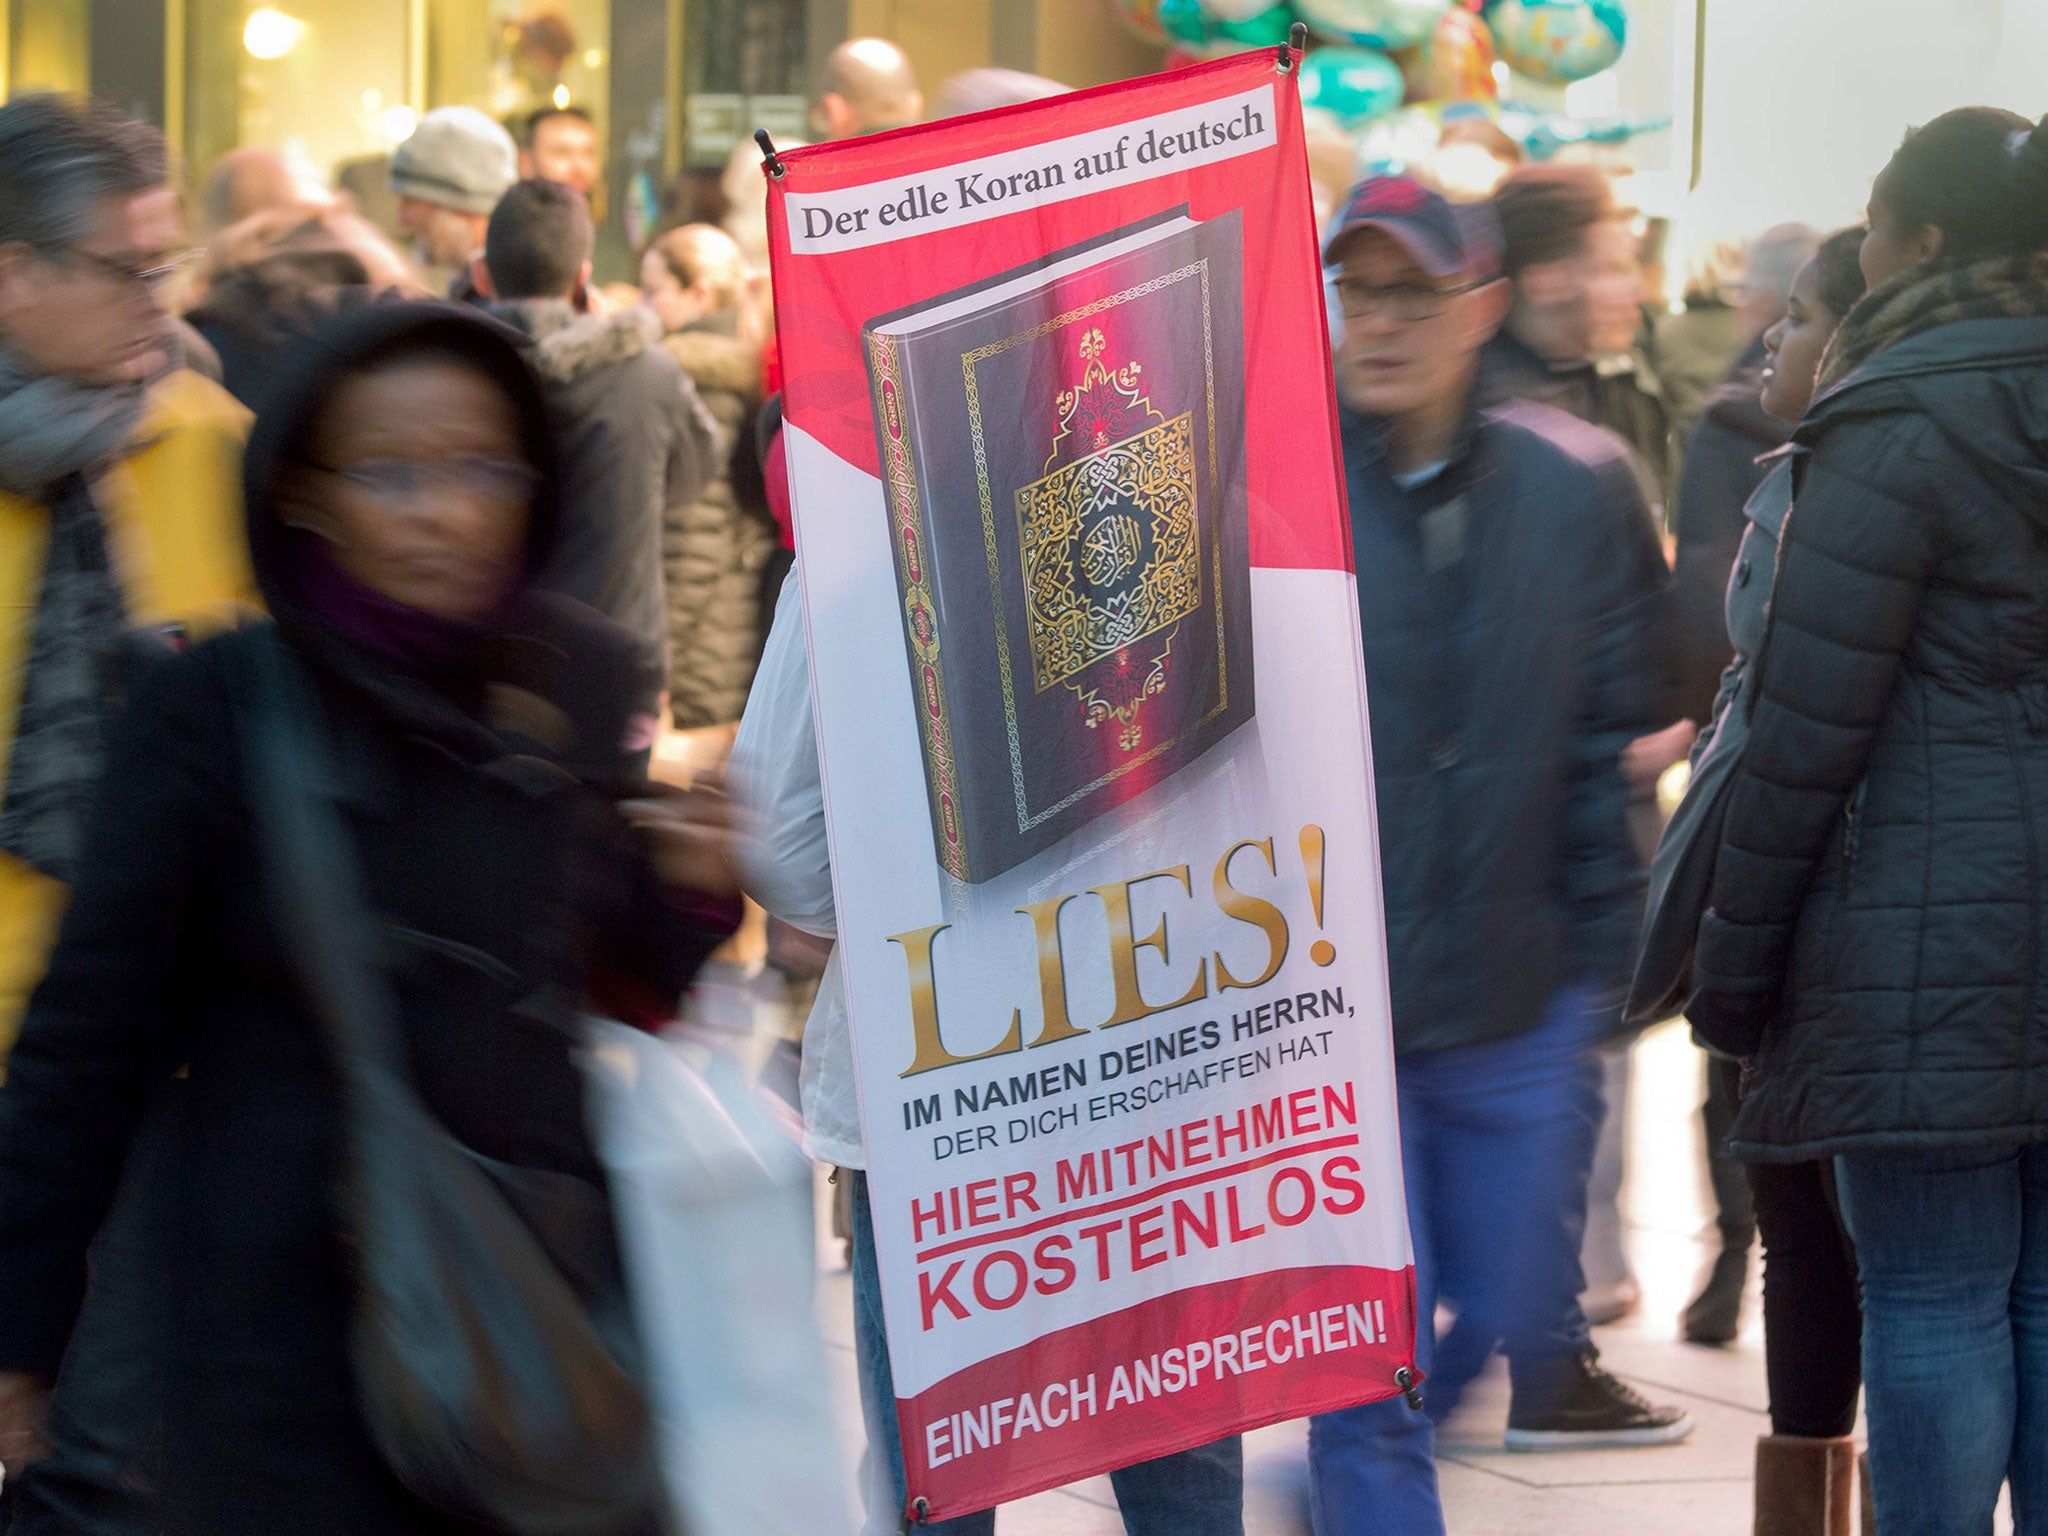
<point x="1880" y="897"/>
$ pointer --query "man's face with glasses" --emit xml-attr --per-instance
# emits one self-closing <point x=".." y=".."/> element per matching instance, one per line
<point x="1408" y="337"/>
<point x="93" y="308"/>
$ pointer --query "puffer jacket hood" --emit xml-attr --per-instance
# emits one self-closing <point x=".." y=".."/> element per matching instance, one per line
<point x="565" y="345"/>
<point x="1982" y="385"/>
<point x="354" y="335"/>
<point x="716" y="359"/>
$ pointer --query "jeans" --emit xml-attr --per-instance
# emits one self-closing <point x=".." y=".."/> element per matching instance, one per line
<point x="1953" y="1248"/>
<point x="1496" y="1148"/>
<point x="1198" y="1492"/>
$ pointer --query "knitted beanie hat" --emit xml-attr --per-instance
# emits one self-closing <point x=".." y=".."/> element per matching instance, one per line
<point x="457" y="158"/>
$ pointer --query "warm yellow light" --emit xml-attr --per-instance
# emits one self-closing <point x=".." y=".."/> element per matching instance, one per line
<point x="561" y="97"/>
<point x="270" y="34"/>
<point x="373" y="101"/>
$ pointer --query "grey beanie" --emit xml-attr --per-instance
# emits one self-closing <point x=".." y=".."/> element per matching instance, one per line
<point x="457" y="158"/>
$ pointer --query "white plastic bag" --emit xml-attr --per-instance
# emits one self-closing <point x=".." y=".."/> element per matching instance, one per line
<point x="713" y="1202"/>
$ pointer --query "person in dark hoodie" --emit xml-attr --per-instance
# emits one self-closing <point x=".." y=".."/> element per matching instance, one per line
<point x="401" y="495"/>
<point x="637" y="444"/>
<point x="1872" y="941"/>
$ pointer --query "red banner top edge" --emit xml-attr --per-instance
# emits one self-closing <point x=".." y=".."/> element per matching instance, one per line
<point x="898" y="151"/>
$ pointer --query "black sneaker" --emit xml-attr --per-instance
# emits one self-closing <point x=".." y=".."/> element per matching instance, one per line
<point x="1585" y="1408"/>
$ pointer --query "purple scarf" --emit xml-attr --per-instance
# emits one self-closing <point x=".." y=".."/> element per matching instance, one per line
<point x="391" y="629"/>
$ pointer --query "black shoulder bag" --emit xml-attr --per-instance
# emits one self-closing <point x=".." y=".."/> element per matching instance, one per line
<point x="488" y="1383"/>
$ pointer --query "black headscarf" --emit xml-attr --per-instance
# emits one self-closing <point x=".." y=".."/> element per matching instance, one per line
<point x="356" y="335"/>
<point x="541" y="647"/>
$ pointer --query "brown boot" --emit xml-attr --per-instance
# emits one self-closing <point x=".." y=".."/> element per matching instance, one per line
<point x="1868" y="1504"/>
<point x="1804" y="1487"/>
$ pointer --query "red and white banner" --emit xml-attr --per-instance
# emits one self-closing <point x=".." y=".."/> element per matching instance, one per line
<point x="1091" y="716"/>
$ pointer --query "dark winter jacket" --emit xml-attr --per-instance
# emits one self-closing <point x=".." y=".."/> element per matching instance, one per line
<point x="1721" y="471"/>
<point x="1692" y="353"/>
<point x="636" y="447"/>
<point x="1625" y="400"/>
<point x="1506" y="607"/>
<point x="715" y="547"/>
<point x="481" y="805"/>
<point x="1881" y="891"/>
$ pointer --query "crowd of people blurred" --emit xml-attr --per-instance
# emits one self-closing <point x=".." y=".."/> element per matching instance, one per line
<point x="511" y="493"/>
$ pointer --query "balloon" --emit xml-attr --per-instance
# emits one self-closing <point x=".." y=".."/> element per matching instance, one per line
<point x="1559" y="41"/>
<point x="1551" y="134"/>
<point x="1353" y="83"/>
<point x="1268" y="28"/>
<point x="1373" y="23"/>
<point x="1226" y="11"/>
<point x="1140" y="17"/>
<point x="1456" y="64"/>
<point x="1183" y="21"/>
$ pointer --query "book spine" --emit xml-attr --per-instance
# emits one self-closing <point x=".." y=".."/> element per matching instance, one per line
<point x="910" y="537"/>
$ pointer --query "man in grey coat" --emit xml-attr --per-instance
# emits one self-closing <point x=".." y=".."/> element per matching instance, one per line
<point x="635" y="439"/>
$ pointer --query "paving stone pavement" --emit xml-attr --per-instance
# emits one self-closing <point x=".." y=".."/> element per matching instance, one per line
<point x="1699" y="1488"/>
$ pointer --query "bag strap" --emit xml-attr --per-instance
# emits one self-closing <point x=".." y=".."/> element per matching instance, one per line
<point x="313" y="872"/>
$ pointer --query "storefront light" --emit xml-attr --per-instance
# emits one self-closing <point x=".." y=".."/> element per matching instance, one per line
<point x="271" y="34"/>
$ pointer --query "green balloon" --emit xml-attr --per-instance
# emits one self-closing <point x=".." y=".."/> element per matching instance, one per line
<point x="1184" y="21"/>
<point x="1268" y="29"/>
<point x="1354" y="83"/>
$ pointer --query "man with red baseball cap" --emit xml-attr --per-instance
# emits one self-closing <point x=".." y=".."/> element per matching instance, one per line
<point x="1503" y="644"/>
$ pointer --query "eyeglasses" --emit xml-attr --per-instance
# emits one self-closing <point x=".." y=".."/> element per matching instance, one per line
<point x="1406" y="302"/>
<point x="148" y="278"/>
<point x="398" y="483"/>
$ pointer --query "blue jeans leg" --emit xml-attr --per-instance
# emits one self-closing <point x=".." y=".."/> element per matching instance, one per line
<point x="1372" y="1470"/>
<point x="1512" y="1127"/>
<point x="883" y="1485"/>
<point x="1198" y="1492"/>
<point x="1952" y="1245"/>
<point x="1191" y="1493"/>
<point x="2029" y="1472"/>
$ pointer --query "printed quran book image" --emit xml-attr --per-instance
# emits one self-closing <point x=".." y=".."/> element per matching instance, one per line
<point x="1062" y="451"/>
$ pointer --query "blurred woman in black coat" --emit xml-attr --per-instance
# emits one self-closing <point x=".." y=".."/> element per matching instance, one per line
<point x="400" y="488"/>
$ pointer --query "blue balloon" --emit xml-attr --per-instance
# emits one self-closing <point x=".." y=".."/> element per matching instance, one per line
<point x="1558" y="41"/>
<point x="1353" y="83"/>
<point x="1390" y="24"/>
